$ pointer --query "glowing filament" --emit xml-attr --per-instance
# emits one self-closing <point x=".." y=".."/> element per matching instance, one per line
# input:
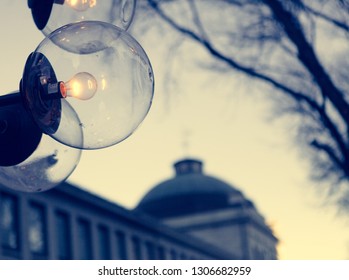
<point x="82" y="86"/>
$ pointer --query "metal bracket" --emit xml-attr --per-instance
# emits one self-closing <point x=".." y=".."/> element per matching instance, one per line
<point x="41" y="11"/>
<point x="19" y="135"/>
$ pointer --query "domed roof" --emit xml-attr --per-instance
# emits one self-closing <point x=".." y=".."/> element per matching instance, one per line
<point x="188" y="192"/>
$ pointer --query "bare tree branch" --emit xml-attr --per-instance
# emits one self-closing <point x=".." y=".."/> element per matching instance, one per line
<point x="335" y="22"/>
<point x="197" y="20"/>
<point x="308" y="57"/>
<point x="273" y="41"/>
<point x="329" y="151"/>
<point x="300" y="97"/>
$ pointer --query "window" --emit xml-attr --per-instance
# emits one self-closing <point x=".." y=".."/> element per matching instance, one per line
<point x="136" y="246"/>
<point x="84" y="240"/>
<point x="9" y="222"/>
<point x="183" y="256"/>
<point x="63" y="239"/>
<point x="103" y="243"/>
<point x="161" y="253"/>
<point x="37" y="230"/>
<point x="173" y="254"/>
<point x="150" y="251"/>
<point x="121" y="245"/>
<point x="258" y="254"/>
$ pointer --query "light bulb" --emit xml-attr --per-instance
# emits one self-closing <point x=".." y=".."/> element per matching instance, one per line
<point x="82" y="86"/>
<point x="81" y="5"/>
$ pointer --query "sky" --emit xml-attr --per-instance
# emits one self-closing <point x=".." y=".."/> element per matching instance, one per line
<point x="209" y="117"/>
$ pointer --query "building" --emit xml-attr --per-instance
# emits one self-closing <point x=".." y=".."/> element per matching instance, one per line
<point x="192" y="216"/>
<point x="209" y="209"/>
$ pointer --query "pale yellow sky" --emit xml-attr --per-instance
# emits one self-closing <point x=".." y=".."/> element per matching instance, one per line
<point x="229" y="130"/>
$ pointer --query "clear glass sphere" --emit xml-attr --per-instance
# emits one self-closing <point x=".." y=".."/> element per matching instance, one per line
<point x="105" y="77"/>
<point x="49" y="165"/>
<point x="117" y="12"/>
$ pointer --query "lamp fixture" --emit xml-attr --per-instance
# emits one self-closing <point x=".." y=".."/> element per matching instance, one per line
<point x="49" y="15"/>
<point x="88" y="85"/>
<point x="48" y="165"/>
<point x="108" y="64"/>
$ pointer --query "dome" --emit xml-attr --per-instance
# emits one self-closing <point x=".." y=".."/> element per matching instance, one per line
<point x="190" y="191"/>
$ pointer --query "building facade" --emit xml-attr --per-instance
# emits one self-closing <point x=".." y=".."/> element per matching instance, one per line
<point x="211" y="210"/>
<point x="70" y="223"/>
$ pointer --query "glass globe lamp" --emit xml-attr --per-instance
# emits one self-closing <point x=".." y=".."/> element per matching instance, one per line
<point x="50" y="15"/>
<point x="49" y="165"/>
<point x="88" y="85"/>
<point x="31" y="161"/>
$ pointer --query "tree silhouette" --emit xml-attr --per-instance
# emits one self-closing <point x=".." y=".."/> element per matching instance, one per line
<point x="297" y="47"/>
